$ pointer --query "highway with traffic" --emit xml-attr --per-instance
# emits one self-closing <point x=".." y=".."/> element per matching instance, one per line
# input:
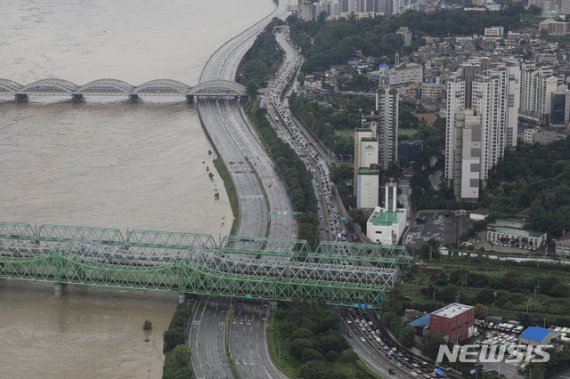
<point x="265" y="207"/>
<point x="265" y="211"/>
<point x="315" y="157"/>
<point x="312" y="153"/>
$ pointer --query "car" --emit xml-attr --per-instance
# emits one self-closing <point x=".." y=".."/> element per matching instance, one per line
<point x="394" y="349"/>
<point x="391" y="371"/>
<point x="362" y="339"/>
<point x="348" y="322"/>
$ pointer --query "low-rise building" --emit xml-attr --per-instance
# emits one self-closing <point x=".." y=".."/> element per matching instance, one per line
<point x="453" y="322"/>
<point x="512" y="231"/>
<point x="406" y="73"/>
<point x="386" y="225"/>
<point x="563" y="247"/>
<point x="553" y="27"/>
<point x="495" y="31"/>
<point x="543" y="137"/>
<point x="538" y="336"/>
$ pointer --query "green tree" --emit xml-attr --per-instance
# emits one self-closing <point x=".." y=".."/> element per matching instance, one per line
<point x="481" y="311"/>
<point x="430" y="345"/>
<point x="406" y="336"/>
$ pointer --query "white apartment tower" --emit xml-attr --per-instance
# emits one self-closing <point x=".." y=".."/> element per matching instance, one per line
<point x="360" y="134"/>
<point x="455" y="104"/>
<point x="513" y="101"/>
<point x="537" y="87"/>
<point x="467" y="155"/>
<point x="490" y="101"/>
<point x="387" y="106"/>
<point x="493" y="100"/>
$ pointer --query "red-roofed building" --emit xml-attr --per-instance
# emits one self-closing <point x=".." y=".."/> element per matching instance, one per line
<point x="454" y="322"/>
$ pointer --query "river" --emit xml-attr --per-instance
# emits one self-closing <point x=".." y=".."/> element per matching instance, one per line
<point x="104" y="163"/>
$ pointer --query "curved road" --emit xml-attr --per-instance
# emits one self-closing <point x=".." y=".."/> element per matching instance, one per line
<point x="265" y="210"/>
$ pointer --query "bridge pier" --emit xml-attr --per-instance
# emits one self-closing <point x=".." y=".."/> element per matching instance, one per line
<point x="77" y="98"/>
<point x="181" y="298"/>
<point x="21" y="98"/>
<point x="59" y="289"/>
<point x="190" y="99"/>
<point x="134" y="98"/>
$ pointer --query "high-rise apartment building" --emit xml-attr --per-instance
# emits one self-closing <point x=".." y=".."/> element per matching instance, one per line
<point x="489" y="93"/>
<point x="387" y="106"/>
<point x="467" y="155"/>
<point x="560" y="107"/>
<point x="455" y="104"/>
<point x="537" y="86"/>
<point x="513" y="101"/>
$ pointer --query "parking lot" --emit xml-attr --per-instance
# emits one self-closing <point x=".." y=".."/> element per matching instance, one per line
<point x="495" y="337"/>
<point x="444" y="226"/>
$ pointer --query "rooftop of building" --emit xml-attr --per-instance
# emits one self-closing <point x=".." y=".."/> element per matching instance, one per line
<point x="421" y="322"/>
<point x="535" y="334"/>
<point x="383" y="217"/>
<point x="564" y="239"/>
<point x="452" y="310"/>
<point x="368" y="171"/>
<point x="513" y="227"/>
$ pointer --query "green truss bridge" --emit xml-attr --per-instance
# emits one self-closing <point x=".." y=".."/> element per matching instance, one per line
<point x="244" y="267"/>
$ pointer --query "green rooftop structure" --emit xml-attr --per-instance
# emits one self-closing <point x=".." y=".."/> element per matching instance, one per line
<point x="383" y="217"/>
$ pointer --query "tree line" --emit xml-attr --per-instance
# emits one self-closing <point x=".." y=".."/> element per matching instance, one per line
<point x="331" y="43"/>
<point x="535" y="177"/>
<point x="176" y="353"/>
<point x="295" y="174"/>
<point x="315" y="343"/>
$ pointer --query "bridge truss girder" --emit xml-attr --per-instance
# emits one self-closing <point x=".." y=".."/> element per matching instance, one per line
<point x="74" y="263"/>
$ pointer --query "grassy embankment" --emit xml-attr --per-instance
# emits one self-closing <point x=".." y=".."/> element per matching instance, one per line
<point x="230" y="190"/>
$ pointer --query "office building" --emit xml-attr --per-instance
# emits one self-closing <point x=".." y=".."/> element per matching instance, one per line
<point x="560" y="107"/>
